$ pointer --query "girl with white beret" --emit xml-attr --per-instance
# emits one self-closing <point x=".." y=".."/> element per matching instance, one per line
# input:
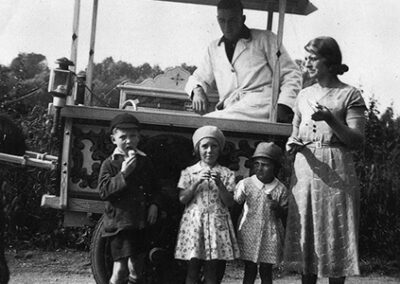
<point x="206" y="236"/>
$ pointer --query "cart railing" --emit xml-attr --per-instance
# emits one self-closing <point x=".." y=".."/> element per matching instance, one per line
<point x="33" y="159"/>
<point x="165" y="91"/>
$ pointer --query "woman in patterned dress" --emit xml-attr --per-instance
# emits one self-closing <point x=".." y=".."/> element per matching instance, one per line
<point x="261" y="232"/>
<point x="322" y="229"/>
<point x="206" y="235"/>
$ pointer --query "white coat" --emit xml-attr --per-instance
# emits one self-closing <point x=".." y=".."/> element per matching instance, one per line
<point x="245" y="84"/>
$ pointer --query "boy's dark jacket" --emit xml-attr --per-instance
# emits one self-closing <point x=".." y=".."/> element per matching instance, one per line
<point x="127" y="199"/>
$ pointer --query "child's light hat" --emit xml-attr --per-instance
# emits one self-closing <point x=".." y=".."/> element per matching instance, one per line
<point x="124" y="121"/>
<point x="209" y="131"/>
<point x="268" y="150"/>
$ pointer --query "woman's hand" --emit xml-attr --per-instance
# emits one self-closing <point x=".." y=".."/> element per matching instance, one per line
<point x="294" y="145"/>
<point x="321" y="113"/>
<point x="351" y="132"/>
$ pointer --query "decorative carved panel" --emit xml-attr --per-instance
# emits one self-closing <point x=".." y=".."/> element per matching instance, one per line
<point x="170" y="153"/>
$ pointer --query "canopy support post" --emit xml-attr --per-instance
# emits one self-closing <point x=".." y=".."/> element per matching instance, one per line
<point x="61" y="201"/>
<point x="74" y="45"/>
<point x="277" y="69"/>
<point x="270" y="18"/>
<point x="89" y="72"/>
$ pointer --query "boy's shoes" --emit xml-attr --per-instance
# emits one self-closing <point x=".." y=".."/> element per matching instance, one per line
<point x="132" y="280"/>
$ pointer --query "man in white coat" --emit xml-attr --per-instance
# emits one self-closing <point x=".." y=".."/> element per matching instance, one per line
<point x="239" y="66"/>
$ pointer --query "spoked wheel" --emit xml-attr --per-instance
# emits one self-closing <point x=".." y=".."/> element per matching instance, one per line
<point x="100" y="256"/>
<point x="159" y="266"/>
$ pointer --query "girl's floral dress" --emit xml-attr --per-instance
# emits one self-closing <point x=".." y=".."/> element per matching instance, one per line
<point x="206" y="230"/>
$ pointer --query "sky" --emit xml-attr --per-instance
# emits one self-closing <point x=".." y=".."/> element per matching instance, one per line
<point x="168" y="34"/>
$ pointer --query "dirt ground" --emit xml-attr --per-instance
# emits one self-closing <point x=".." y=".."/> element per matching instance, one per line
<point x="73" y="267"/>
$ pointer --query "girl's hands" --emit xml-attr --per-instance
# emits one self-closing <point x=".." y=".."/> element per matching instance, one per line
<point x="274" y="205"/>
<point x="209" y="175"/>
<point x="216" y="177"/>
<point x="205" y="174"/>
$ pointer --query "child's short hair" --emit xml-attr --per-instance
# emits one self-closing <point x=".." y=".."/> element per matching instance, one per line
<point x="124" y="121"/>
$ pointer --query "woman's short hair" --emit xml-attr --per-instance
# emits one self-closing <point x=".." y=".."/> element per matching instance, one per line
<point x="328" y="48"/>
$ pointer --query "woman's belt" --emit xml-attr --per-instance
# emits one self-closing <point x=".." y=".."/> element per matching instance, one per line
<point x="319" y="144"/>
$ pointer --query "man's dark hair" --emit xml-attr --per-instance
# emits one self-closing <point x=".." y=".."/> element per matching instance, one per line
<point x="230" y="4"/>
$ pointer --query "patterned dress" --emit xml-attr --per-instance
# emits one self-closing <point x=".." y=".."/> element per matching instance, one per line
<point x="260" y="232"/>
<point x="322" y="226"/>
<point x="206" y="230"/>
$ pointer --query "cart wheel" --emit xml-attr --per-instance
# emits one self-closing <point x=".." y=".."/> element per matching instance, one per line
<point x="100" y="256"/>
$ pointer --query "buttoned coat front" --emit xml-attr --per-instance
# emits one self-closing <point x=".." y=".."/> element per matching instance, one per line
<point x="127" y="198"/>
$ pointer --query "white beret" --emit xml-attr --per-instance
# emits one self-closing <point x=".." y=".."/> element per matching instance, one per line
<point x="209" y="131"/>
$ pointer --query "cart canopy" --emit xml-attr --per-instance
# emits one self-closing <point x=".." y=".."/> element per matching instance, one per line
<point x="299" y="7"/>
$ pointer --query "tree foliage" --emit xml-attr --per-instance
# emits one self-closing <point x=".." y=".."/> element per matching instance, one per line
<point x="26" y="73"/>
<point x="378" y="167"/>
<point x="109" y="74"/>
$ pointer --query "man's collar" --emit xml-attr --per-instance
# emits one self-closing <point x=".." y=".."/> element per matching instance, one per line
<point x="118" y="153"/>
<point x="244" y="33"/>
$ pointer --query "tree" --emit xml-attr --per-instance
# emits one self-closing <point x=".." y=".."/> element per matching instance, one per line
<point x="189" y="68"/>
<point x="378" y="165"/>
<point x="109" y="74"/>
<point x="26" y="73"/>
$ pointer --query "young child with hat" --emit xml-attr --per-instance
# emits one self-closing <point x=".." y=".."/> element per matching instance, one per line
<point x="129" y="186"/>
<point x="206" y="235"/>
<point x="260" y="230"/>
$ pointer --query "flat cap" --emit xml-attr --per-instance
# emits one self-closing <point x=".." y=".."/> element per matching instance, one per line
<point x="124" y="121"/>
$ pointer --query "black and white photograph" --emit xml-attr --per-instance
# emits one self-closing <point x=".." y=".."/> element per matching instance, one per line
<point x="199" y="142"/>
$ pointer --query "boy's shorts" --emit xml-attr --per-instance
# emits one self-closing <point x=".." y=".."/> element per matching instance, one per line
<point x="127" y="243"/>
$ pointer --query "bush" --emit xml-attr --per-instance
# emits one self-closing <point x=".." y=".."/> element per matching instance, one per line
<point x="26" y="223"/>
<point x="378" y="166"/>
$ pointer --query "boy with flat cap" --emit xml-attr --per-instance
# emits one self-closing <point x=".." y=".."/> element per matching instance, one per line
<point x="128" y="184"/>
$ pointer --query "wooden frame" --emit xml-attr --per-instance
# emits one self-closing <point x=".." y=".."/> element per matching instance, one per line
<point x="180" y="119"/>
